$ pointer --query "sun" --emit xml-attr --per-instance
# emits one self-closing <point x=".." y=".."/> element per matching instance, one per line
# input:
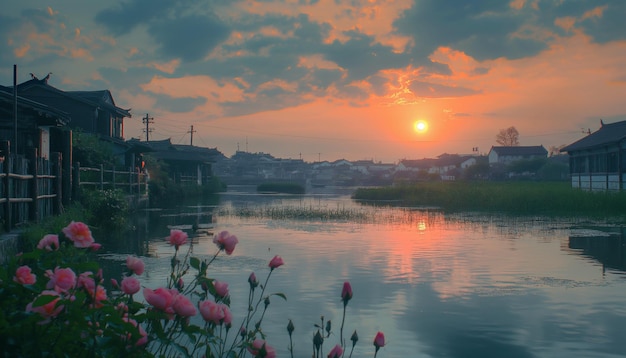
<point x="420" y="126"/>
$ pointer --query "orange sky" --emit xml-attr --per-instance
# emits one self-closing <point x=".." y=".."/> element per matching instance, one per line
<point x="328" y="81"/>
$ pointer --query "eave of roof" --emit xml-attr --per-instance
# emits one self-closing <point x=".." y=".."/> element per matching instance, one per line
<point x="60" y="118"/>
<point x="81" y="96"/>
<point x="611" y="133"/>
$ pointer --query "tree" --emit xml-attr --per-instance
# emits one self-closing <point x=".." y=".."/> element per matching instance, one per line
<point x="508" y="137"/>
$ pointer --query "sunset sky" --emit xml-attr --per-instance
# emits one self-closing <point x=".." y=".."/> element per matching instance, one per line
<point x="333" y="79"/>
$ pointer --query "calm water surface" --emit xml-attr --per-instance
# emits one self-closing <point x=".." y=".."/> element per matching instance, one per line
<point x="437" y="285"/>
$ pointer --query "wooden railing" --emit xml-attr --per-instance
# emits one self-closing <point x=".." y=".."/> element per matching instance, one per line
<point x="132" y="181"/>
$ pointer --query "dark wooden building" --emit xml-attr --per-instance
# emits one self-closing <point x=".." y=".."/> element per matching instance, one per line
<point x="598" y="161"/>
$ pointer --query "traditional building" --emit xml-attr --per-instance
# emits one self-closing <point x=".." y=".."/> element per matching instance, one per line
<point x="509" y="154"/>
<point x="38" y="126"/>
<point x="91" y="112"/>
<point x="598" y="161"/>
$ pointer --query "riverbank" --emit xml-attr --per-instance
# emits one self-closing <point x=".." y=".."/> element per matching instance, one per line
<point x="545" y="198"/>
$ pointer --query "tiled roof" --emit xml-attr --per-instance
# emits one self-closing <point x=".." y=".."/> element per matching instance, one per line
<point x="59" y="117"/>
<point x="611" y="133"/>
<point x="92" y="98"/>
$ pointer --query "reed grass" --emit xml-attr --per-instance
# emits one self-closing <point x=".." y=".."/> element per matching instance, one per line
<point x="297" y="213"/>
<point x="545" y="198"/>
<point x="287" y="188"/>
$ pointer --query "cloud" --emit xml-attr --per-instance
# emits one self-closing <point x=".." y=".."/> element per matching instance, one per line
<point x="434" y="90"/>
<point x="361" y="56"/>
<point x="128" y="15"/>
<point x="482" y="29"/>
<point x="190" y="38"/>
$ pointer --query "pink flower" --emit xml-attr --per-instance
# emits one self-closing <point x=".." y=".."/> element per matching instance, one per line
<point x="144" y="336"/>
<point x="260" y="349"/>
<point x="79" y="234"/>
<point x="61" y="280"/>
<point x="336" y="352"/>
<point x="225" y="241"/>
<point x="211" y="312"/>
<point x="114" y="283"/>
<point x="177" y="238"/>
<point x="183" y="306"/>
<point x="379" y="340"/>
<point x="130" y="285"/>
<point x="346" y="292"/>
<point x="86" y="281"/>
<point x="228" y="316"/>
<point x="135" y="264"/>
<point x="221" y="288"/>
<point x="95" y="246"/>
<point x="161" y="298"/>
<point x="277" y="261"/>
<point x="49" y="242"/>
<point x="99" y="295"/>
<point x="24" y="276"/>
<point x="47" y="310"/>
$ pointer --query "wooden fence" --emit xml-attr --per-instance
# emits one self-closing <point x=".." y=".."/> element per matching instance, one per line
<point x="132" y="181"/>
<point x="30" y="188"/>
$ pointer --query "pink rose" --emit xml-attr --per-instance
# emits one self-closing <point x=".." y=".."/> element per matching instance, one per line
<point x="47" y="310"/>
<point x="221" y="288"/>
<point x="346" y="292"/>
<point x="184" y="307"/>
<point x="379" y="340"/>
<point x="161" y="298"/>
<point x="49" y="242"/>
<point x="130" y="285"/>
<point x="79" y="234"/>
<point x="336" y="352"/>
<point x="86" y="281"/>
<point x="135" y="264"/>
<point x="260" y="349"/>
<point x="144" y="336"/>
<point x="277" y="261"/>
<point x="95" y="246"/>
<point x="225" y="241"/>
<point x="61" y="280"/>
<point x="211" y="312"/>
<point x="177" y="238"/>
<point x="24" y="276"/>
<point x="99" y="295"/>
<point x="228" y="316"/>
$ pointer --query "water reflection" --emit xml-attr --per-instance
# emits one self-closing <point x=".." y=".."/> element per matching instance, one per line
<point x="607" y="247"/>
<point x="437" y="285"/>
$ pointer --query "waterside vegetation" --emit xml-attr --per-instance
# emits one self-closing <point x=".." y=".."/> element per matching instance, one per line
<point x="518" y="198"/>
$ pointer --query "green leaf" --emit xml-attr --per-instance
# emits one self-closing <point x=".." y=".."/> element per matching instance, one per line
<point x="194" y="262"/>
<point x="44" y="300"/>
<point x="280" y="294"/>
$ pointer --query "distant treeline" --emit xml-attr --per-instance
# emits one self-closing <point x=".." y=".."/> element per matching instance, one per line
<point x="545" y="198"/>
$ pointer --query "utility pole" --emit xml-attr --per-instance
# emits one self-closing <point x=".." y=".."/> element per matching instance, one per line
<point x="14" y="110"/>
<point x="191" y="131"/>
<point x="147" y="121"/>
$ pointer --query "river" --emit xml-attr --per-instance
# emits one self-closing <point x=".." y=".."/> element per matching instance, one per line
<point x="437" y="285"/>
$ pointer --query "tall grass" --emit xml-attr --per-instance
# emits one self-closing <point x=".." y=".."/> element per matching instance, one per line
<point x="549" y="198"/>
